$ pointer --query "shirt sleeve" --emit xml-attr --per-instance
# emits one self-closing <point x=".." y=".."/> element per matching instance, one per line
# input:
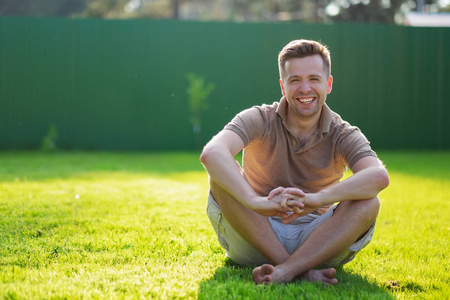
<point x="248" y="124"/>
<point x="353" y="146"/>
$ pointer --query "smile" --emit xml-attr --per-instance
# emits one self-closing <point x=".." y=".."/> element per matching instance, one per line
<point x="306" y="100"/>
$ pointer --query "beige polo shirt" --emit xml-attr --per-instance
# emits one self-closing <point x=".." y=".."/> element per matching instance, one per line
<point x="273" y="156"/>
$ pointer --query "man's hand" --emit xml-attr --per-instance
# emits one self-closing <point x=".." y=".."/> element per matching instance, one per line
<point x="290" y="201"/>
<point x="277" y="204"/>
<point x="286" y="196"/>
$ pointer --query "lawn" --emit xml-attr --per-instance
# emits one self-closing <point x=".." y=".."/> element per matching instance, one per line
<point x="133" y="226"/>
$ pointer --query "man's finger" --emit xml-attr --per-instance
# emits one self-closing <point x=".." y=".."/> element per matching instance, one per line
<point x="295" y="191"/>
<point x="297" y="210"/>
<point x="295" y="203"/>
<point x="275" y="192"/>
<point x="283" y="215"/>
<point x="290" y="218"/>
<point x="284" y="204"/>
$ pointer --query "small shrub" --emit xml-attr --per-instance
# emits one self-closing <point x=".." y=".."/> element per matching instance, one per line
<point x="198" y="92"/>
<point x="48" y="143"/>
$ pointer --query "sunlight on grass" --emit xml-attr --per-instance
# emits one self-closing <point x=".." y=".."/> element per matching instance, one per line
<point x="104" y="225"/>
<point x="410" y="252"/>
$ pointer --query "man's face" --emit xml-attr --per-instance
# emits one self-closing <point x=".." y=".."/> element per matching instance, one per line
<point x="306" y="85"/>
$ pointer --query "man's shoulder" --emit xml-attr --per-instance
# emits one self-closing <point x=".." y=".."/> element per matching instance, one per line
<point x="338" y="123"/>
<point x="267" y="107"/>
<point x="266" y="111"/>
<point x="254" y="122"/>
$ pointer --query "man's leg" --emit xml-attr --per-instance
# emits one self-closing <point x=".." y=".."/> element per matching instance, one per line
<point x="349" y="222"/>
<point x="253" y="227"/>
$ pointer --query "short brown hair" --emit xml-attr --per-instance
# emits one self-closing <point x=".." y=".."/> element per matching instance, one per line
<point x="303" y="48"/>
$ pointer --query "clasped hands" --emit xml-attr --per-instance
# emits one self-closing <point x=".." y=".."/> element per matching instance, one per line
<point x="288" y="203"/>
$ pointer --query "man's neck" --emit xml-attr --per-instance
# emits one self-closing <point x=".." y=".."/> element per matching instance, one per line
<point x="303" y="127"/>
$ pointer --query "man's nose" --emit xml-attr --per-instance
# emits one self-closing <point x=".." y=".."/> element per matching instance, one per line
<point x="304" y="87"/>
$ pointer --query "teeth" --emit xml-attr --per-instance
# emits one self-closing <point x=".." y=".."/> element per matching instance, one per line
<point x="306" y="100"/>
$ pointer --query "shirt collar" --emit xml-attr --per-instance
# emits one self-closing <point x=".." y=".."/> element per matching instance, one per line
<point x="326" y="116"/>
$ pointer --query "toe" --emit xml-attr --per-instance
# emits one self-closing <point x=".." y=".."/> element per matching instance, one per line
<point x="329" y="273"/>
<point x="261" y="275"/>
<point x="267" y="269"/>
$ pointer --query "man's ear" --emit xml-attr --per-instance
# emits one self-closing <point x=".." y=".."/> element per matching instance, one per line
<point x="282" y="88"/>
<point x="330" y="84"/>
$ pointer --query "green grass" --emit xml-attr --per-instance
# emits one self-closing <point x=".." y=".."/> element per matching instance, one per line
<point x="134" y="226"/>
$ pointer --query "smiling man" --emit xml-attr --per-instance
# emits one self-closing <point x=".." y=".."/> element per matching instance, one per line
<point x="287" y="209"/>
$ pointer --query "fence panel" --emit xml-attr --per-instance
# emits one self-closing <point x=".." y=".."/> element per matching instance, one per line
<point x="121" y="84"/>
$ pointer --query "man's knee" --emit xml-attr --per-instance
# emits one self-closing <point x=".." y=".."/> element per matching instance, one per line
<point x="372" y="207"/>
<point x="364" y="210"/>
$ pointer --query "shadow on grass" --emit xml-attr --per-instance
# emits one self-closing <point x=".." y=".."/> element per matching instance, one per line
<point x="234" y="282"/>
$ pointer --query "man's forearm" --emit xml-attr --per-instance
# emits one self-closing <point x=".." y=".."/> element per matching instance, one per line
<point x="365" y="184"/>
<point x="225" y="171"/>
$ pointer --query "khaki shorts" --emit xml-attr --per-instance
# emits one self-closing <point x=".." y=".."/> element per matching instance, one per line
<point x="290" y="235"/>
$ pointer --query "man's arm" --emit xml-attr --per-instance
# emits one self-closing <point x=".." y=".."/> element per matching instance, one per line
<point x="218" y="159"/>
<point x="369" y="178"/>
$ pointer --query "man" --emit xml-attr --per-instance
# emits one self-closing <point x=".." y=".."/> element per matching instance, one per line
<point x="278" y="211"/>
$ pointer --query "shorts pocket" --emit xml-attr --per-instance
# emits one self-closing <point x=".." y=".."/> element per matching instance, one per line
<point x="215" y="217"/>
<point x="221" y="233"/>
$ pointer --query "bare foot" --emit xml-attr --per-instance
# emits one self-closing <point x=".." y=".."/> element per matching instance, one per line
<point x="326" y="276"/>
<point x="261" y="275"/>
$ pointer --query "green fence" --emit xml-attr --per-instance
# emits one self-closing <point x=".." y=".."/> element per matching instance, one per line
<point x="121" y="84"/>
